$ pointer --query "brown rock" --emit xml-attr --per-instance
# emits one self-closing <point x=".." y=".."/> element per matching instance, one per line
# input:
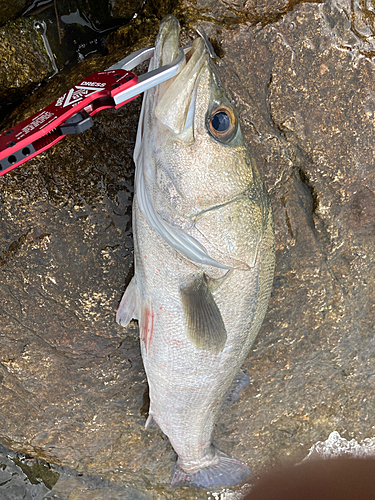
<point x="24" y="59"/>
<point x="12" y="9"/>
<point x="304" y="86"/>
<point x="125" y="9"/>
<point x="73" y="390"/>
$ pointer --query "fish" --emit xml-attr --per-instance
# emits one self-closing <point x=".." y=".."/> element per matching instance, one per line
<point x="204" y="258"/>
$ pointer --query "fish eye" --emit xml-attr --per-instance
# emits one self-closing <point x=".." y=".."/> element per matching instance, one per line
<point x="222" y="123"/>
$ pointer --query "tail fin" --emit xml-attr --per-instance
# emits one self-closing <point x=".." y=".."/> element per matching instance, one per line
<point x="225" y="471"/>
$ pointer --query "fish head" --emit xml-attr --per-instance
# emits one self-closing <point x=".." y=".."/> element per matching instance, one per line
<point x="190" y="151"/>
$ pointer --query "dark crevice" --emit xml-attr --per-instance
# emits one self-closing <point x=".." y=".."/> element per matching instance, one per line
<point x="216" y="44"/>
<point x="267" y="95"/>
<point x="280" y="133"/>
<point x="287" y="219"/>
<point x="314" y="195"/>
<point x="144" y="410"/>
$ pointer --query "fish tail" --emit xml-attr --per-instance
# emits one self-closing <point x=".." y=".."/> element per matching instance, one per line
<point x="226" y="471"/>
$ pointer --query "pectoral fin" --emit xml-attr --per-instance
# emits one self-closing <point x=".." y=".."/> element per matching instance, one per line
<point x="128" y="305"/>
<point x="205" y="324"/>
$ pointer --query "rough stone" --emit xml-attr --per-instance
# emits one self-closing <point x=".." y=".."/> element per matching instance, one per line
<point x="22" y="476"/>
<point x="125" y="9"/>
<point x="304" y="87"/>
<point x="25" y="61"/>
<point x="11" y="9"/>
<point x="14" y="482"/>
<point x="73" y="390"/>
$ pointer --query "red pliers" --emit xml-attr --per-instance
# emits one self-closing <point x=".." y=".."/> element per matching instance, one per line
<point x="72" y="112"/>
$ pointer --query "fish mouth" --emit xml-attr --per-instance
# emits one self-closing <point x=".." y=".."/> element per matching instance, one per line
<point x="175" y="103"/>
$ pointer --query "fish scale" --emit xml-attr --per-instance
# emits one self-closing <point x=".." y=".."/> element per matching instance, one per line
<point x="201" y="287"/>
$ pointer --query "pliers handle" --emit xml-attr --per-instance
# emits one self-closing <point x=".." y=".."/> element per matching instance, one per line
<point x="72" y="112"/>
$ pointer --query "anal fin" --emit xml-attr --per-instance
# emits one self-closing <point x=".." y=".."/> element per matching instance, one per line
<point x="239" y="383"/>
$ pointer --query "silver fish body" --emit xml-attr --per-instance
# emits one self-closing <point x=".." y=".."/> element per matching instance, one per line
<point x="204" y="258"/>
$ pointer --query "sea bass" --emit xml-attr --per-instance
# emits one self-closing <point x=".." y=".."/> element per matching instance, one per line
<point x="204" y="258"/>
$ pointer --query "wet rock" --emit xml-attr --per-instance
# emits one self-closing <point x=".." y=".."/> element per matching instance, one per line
<point x="235" y="13"/>
<point x="73" y="389"/>
<point x="15" y="482"/>
<point x="25" y="61"/>
<point x="84" y="25"/>
<point x="137" y="34"/>
<point x="11" y="9"/>
<point x="21" y="476"/>
<point x="127" y="8"/>
<point x="59" y="36"/>
<point x="303" y="86"/>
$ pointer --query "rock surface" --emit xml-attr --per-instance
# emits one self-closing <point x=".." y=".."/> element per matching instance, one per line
<point x="73" y="389"/>
<point x="24" y="59"/>
<point x="10" y="10"/>
<point x="125" y="9"/>
<point x="24" y="477"/>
